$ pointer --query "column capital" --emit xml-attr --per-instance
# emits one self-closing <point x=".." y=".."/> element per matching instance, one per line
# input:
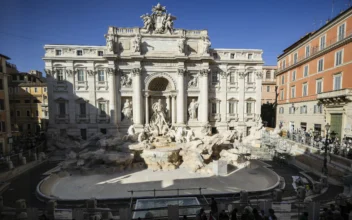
<point x="91" y="72"/>
<point x="224" y="74"/>
<point x="241" y="75"/>
<point x="181" y="71"/>
<point x="204" y="72"/>
<point x="111" y="71"/>
<point x="259" y="75"/>
<point x="49" y="72"/>
<point x="146" y="95"/>
<point x="136" y="71"/>
<point x="69" y="72"/>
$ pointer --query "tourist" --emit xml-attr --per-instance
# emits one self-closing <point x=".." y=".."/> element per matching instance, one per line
<point x="304" y="216"/>
<point x="256" y="214"/>
<point x="212" y="216"/>
<point x="234" y="214"/>
<point x="262" y="213"/>
<point x="247" y="213"/>
<point x="214" y="206"/>
<point x="223" y="215"/>
<point x="201" y="215"/>
<point x="272" y="215"/>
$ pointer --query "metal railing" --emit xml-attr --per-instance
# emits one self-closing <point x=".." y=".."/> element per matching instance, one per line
<point x="17" y="158"/>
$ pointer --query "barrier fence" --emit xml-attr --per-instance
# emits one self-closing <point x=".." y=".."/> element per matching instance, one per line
<point x="283" y="210"/>
<point x="17" y="159"/>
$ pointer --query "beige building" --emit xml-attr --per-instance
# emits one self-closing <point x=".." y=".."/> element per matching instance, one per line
<point x="5" y="124"/>
<point x="268" y="84"/>
<point x="28" y="102"/>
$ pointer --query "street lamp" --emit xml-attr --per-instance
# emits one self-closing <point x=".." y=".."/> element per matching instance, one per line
<point x="325" y="168"/>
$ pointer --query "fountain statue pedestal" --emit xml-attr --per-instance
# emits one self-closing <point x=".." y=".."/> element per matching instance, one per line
<point x="163" y="158"/>
<point x="161" y="142"/>
<point x="220" y="168"/>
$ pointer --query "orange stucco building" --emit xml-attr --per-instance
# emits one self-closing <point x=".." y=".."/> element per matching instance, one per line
<point x="314" y="79"/>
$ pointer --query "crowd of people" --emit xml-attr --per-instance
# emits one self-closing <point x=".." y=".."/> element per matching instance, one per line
<point x="248" y="213"/>
<point x="335" y="145"/>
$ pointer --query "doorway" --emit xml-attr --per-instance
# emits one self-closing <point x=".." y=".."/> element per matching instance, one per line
<point x="336" y="124"/>
<point x="84" y="134"/>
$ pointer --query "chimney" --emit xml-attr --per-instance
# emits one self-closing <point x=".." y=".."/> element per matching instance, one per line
<point x="36" y="73"/>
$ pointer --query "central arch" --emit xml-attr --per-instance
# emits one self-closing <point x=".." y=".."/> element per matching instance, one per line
<point x="160" y="87"/>
<point x="157" y="81"/>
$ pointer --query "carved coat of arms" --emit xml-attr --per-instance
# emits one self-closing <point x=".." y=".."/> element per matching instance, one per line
<point x="159" y="22"/>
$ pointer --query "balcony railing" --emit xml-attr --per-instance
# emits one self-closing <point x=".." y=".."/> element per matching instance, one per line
<point x="333" y="94"/>
<point x="82" y="118"/>
<point x="62" y="118"/>
<point x="316" y="50"/>
<point x="103" y="118"/>
<point x="232" y="116"/>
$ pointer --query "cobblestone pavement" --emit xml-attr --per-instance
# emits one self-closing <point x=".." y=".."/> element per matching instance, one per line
<point x="287" y="171"/>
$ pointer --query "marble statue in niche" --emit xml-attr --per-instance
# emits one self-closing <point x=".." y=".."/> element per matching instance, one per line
<point x="192" y="109"/>
<point x="158" y="120"/>
<point x="127" y="110"/>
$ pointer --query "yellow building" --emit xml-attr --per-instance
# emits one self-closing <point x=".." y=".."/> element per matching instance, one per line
<point x="5" y="124"/>
<point x="28" y="102"/>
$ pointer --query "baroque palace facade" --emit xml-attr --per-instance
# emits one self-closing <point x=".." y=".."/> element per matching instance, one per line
<point x="108" y="88"/>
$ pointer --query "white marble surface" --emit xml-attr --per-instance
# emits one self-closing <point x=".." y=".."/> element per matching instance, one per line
<point x="117" y="185"/>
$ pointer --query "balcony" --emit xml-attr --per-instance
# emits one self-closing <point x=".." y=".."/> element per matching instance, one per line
<point x="342" y="95"/>
<point x="249" y="116"/>
<point x="317" y="51"/>
<point x="62" y="118"/>
<point x="81" y="85"/>
<point x="232" y="116"/>
<point x="215" y="117"/>
<point x="103" y="118"/>
<point x="101" y="85"/>
<point x="82" y="118"/>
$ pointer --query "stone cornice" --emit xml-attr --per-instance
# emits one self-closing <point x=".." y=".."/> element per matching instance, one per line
<point x="238" y="61"/>
<point x="75" y="58"/>
<point x="318" y="54"/>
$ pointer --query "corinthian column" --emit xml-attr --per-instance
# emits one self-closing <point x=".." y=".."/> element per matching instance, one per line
<point x="181" y="97"/>
<point x="204" y="96"/>
<point x="241" y="106"/>
<point x="146" y="109"/>
<point x="223" y="103"/>
<point x="137" y="97"/>
<point x="173" y="112"/>
<point x="112" y="94"/>
<point x="258" y="92"/>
